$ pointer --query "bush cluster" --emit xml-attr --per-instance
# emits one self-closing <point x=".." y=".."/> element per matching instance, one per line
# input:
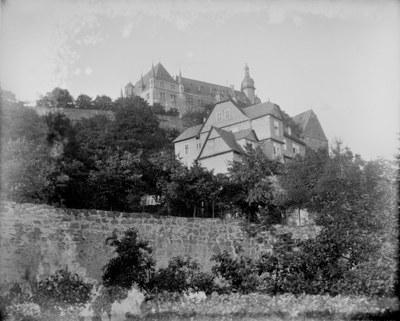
<point x="62" y="289"/>
<point x="311" y="267"/>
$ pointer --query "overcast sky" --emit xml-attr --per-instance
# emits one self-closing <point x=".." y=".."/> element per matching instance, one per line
<point x="339" y="58"/>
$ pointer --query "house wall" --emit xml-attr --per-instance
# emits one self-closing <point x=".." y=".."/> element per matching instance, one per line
<point x="188" y="156"/>
<point x="219" y="163"/>
<point x="238" y="126"/>
<point x="224" y="114"/>
<point x="279" y="133"/>
<point x="290" y="144"/>
<point x="213" y="146"/>
<point x="262" y="127"/>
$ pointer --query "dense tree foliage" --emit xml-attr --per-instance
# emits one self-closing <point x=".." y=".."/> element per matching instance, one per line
<point x="254" y="184"/>
<point x="102" y="102"/>
<point x="84" y="102"/>
<point x="92" y="163"/>
<point x="110" y="164"/>
<point x="133" y="263"/>
<point x="57" y="98"/>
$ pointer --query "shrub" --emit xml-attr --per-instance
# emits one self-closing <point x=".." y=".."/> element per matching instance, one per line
<point x="3" y="311"/>
<point x="203" y="281"/>
<point x="181" y="274"/>
<point x="62" y="289"/>
<point x="241" y="273"/>
<point x="133" y="263"/>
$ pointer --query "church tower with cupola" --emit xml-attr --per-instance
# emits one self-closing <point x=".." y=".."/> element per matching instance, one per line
<point x="248" y="85"/>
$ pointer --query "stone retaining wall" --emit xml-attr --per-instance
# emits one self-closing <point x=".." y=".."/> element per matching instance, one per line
<point x="36" y="240"/>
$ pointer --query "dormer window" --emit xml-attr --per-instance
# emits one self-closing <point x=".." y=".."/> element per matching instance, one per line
<point x="219" y="116"/>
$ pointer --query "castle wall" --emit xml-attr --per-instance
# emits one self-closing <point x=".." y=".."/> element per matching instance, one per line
<point x="36" y="240"/>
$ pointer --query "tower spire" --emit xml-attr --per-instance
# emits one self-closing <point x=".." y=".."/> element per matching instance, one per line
<point x="248" y="85"/>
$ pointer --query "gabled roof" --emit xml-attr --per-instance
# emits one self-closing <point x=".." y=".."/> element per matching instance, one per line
<point x="160" y="73"/>
<point x="309" y="123"/>
<point x="221" y="102"/>
<point x="189" y="133"/>
<point x="229" y="139"/>
<point x="263" y="109"/>
<point x="248" y="134"/>
<point x="203" y="88"/>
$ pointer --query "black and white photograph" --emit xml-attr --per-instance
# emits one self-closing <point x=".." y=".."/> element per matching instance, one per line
<point x="215" y="160"/>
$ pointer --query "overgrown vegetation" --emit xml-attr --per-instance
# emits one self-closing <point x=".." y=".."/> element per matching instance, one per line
<point x="110" y="164"/>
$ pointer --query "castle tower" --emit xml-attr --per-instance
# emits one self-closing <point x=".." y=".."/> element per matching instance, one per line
<point x="248" y="85"/>
<point x="129" y="90"/>
<point x="181" y="101"/>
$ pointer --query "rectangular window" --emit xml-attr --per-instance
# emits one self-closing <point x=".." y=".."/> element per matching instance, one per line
<point x="172" y="87"/>
<point x="186" y="149"/>
<point x="277" y="149"/>
<point x="276" y="127"/>
<point x="227" y="114"/>
<point x="289" y="130"/>
<point x="284" y="144"/>
<point x="190" y="100"/>
<point x="295" y="149"/>
<point x="161" y="84"/>
<point x="219" y="116"/>
<point x="173" y="99"/>
<point x="162" y="96"/>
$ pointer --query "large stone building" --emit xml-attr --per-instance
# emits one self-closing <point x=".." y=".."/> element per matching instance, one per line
<point x="222" y="138"/>
<point x="186" y="94"/>
<point x="237" y="119"/>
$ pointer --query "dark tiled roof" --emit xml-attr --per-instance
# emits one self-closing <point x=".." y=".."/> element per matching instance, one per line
<point x="189" y="133"/>
<point x="246" y="133"/>
<point x="230" y="140"/>
<point x="160" y="73"/>
<point x="197" y="87"/>
<point x="294" y="138"/>
<point x="262" y="109"/>
<point x="309" y="123"/>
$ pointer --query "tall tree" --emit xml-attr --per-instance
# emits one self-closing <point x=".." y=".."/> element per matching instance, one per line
<point x="254" y="183"/>
<point x="84" y="102"/>
<point x="57" y="98"/>
<point x="136" y="127"/>
<point x="103" y="102"/>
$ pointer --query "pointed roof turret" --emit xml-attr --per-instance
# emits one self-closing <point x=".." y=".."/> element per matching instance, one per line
<point x="247" y="81"/>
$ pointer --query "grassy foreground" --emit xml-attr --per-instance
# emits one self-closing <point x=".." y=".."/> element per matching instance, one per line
<point x="259" y="307"/>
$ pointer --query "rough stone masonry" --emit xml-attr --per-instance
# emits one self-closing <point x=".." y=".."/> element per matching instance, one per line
<point x="36" y="240"/>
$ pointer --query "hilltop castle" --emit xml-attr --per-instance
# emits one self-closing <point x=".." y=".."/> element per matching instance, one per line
<point x="185" y="94"/>
<point x="237" y="119"/>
